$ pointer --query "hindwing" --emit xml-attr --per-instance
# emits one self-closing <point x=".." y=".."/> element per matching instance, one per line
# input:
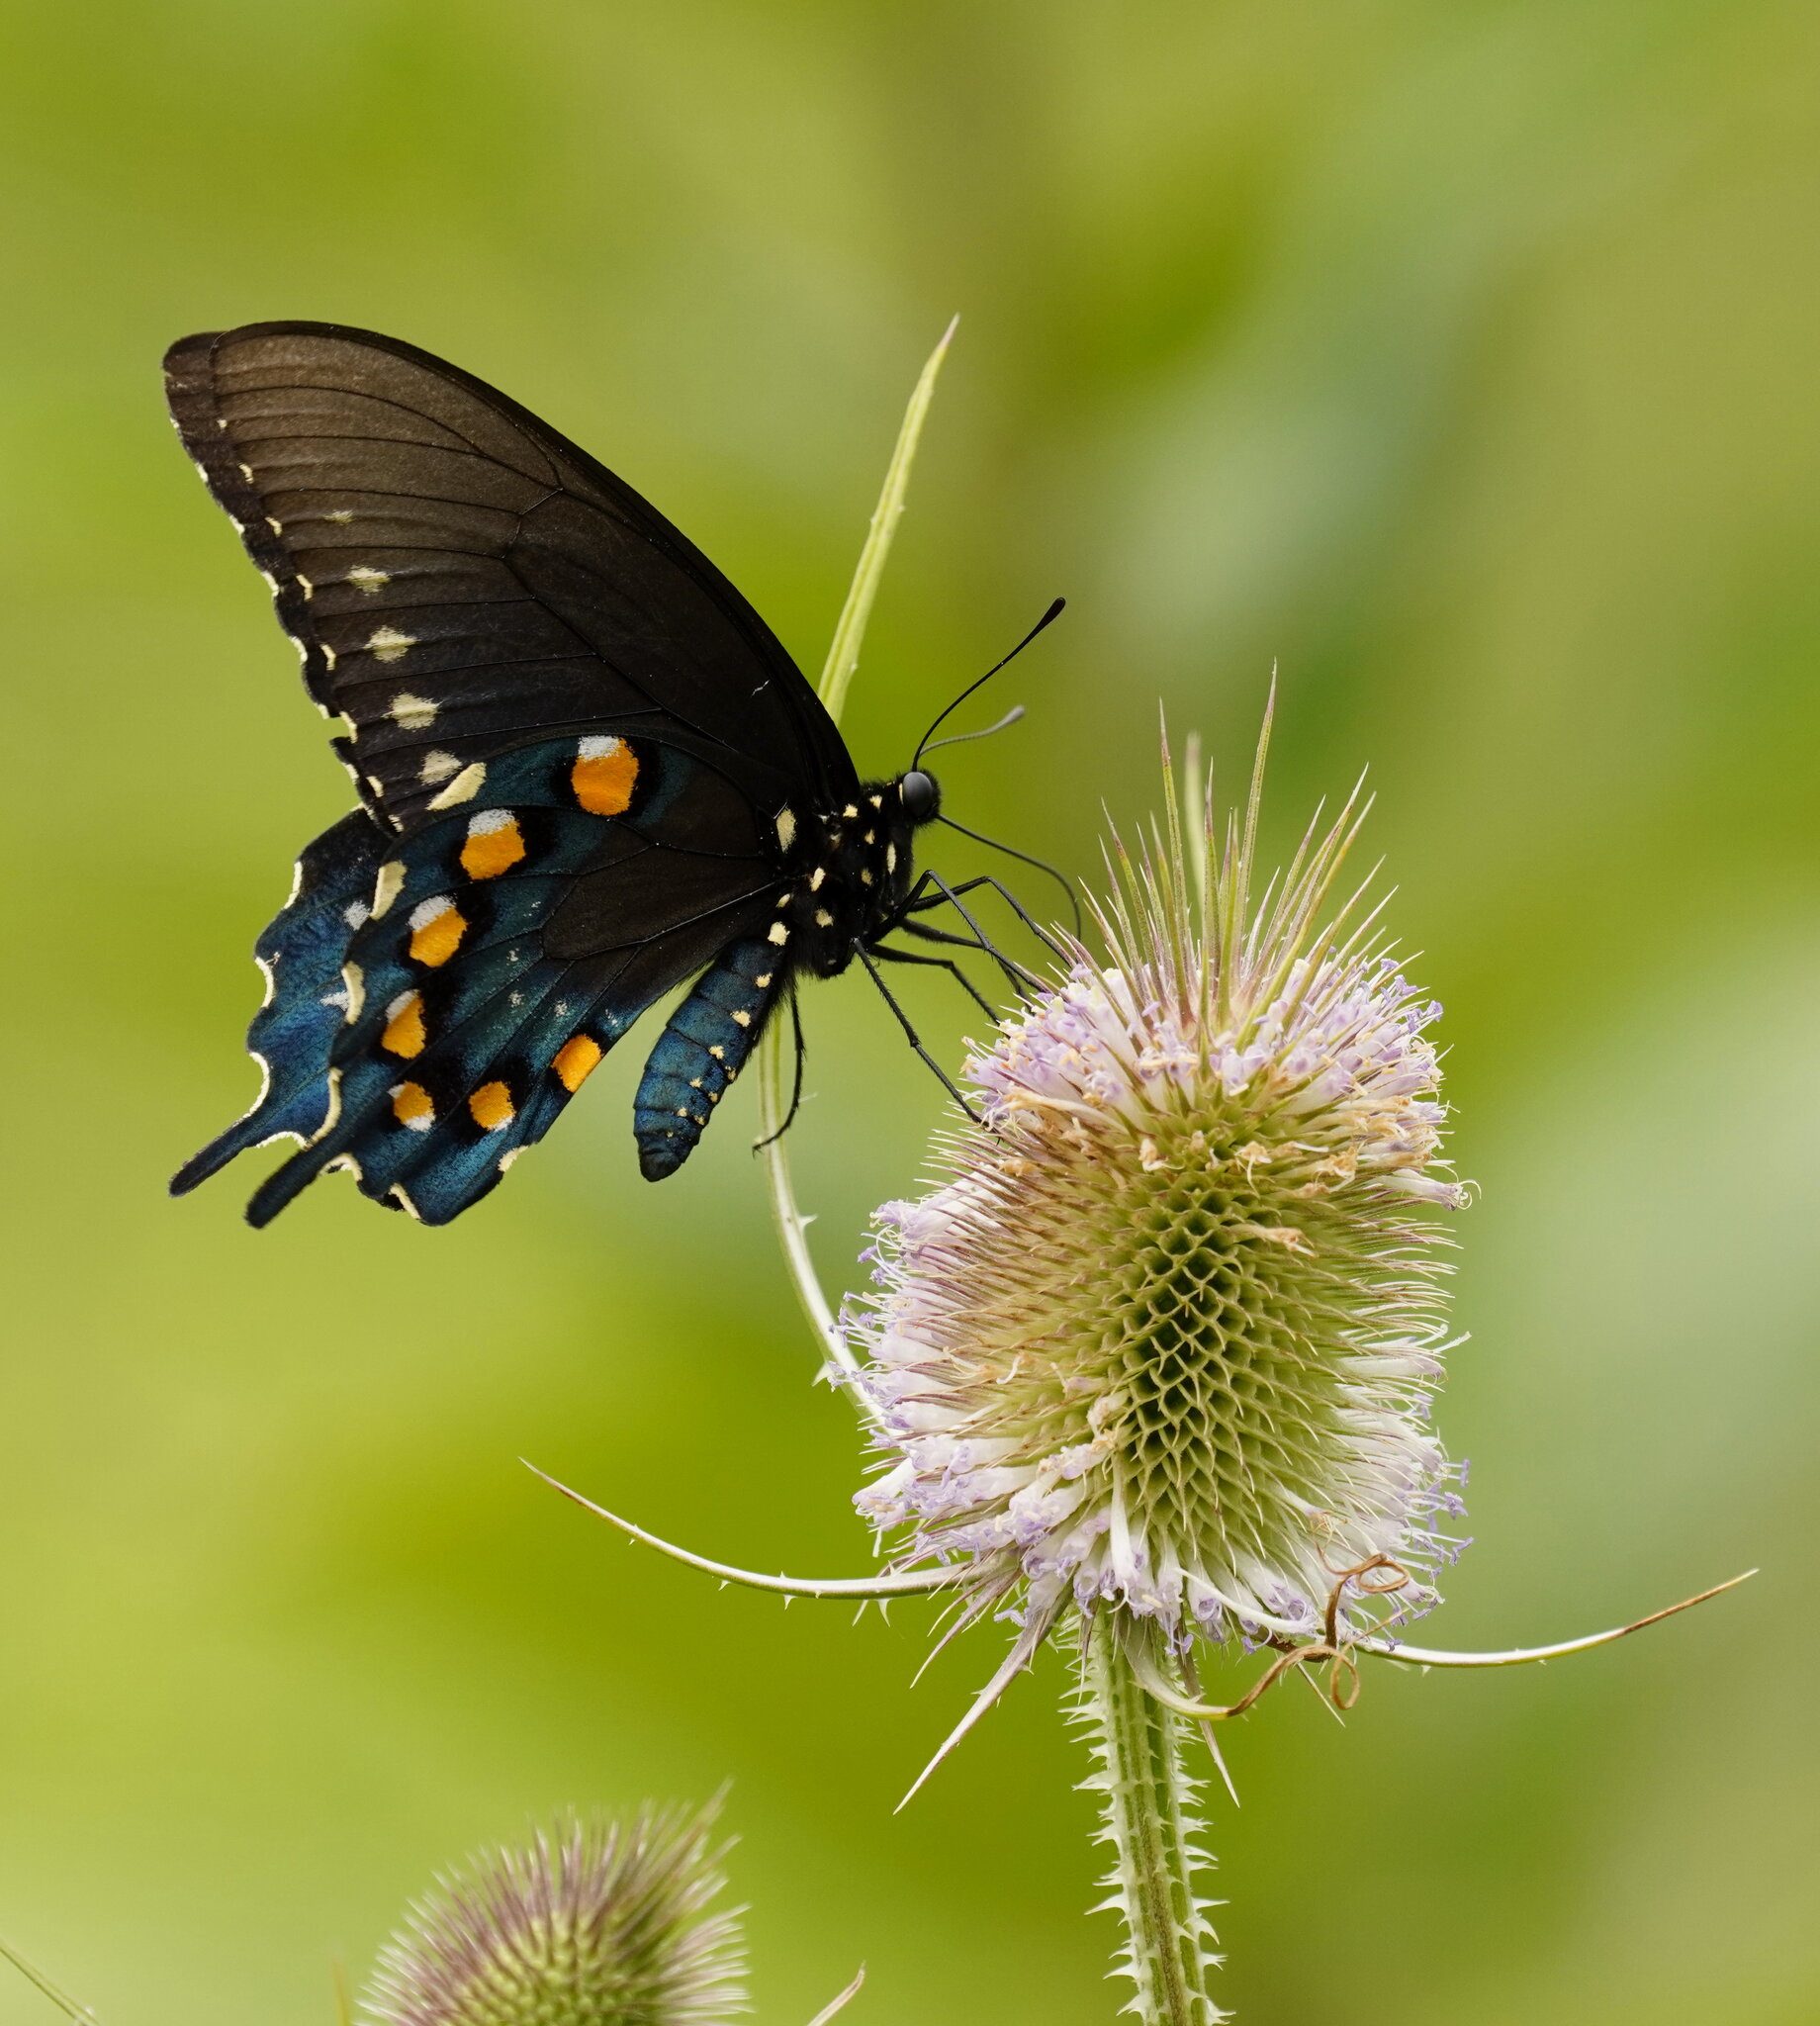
<point x="435" y="999"/>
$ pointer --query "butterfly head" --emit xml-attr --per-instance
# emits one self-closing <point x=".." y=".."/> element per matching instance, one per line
<point x="921" y="796"/>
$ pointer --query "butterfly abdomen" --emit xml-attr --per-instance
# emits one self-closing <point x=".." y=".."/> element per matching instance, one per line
<point x="702" y="1051"/>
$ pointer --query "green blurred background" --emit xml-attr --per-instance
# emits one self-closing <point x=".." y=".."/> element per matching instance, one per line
<point x="1458" y="358"/>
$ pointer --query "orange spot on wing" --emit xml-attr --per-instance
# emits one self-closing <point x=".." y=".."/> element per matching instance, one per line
<point x="412" y="1106"/>
<point x="406" y="1033"/>
<point x="435" y="938"/>
<point x="492" y="1106"/>
<point x="604" y="776"/>
<point x="494" y="845"/>
<point x="576" y="1060"/>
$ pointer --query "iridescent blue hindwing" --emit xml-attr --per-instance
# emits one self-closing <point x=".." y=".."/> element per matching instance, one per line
<point x="301" y="956"/>
<point x="437" y="998"/>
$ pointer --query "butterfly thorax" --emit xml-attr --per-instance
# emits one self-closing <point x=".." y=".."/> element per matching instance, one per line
<point x="848" y="872"/>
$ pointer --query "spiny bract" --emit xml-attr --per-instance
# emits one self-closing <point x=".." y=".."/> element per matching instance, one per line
<point x="591" y="1923"/>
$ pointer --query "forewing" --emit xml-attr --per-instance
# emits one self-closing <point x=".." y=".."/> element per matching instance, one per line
<point x="460" y="579"/>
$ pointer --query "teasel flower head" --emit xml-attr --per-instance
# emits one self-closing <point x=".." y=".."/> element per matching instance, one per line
<point x="588" y="1923"/>
<point x="1160" y="1342"/>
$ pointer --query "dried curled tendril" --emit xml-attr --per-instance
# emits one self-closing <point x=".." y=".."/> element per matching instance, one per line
<point x="1377" y="1576"/>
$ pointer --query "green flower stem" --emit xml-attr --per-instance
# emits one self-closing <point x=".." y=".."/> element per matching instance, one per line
<point x="1148" y="1821"/>
<point x="792" y="1225"/>
<point x="837" y="673"/>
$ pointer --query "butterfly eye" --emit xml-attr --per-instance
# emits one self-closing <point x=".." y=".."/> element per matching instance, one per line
<point x="921" y="796"/>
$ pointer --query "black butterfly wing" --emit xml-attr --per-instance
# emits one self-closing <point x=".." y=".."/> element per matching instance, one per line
<point x="436" y="1000"/>
<point x="503" y="628"/>
<point x="460" y="579"/>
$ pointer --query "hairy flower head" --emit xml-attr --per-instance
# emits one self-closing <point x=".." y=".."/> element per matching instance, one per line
<point x="591" y="1923"/>
<point x="1162" y="1338"/>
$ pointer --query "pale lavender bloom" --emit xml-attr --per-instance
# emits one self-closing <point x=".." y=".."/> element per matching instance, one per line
<point x="1161" y="1340"/>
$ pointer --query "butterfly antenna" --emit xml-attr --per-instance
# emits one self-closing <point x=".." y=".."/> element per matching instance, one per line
<point x="961" y="738"/>
<point x="1041" y="865"/>
<point x="1055" y="612"/>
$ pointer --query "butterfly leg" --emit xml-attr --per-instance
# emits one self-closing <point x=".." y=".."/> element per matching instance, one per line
<point x="947" y="1083"/>
<point x="1010" y="900"/>
<point x="1018" y="977"/>
<point x="947" y="964"/>
<point x="925" y="933"/>
<point x="802" y="1057"/>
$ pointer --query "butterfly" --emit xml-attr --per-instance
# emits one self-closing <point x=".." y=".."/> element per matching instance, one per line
<point x="588" y="773"/>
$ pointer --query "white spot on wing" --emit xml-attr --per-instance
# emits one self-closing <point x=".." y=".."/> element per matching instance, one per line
<point x="488" y="821"/>
<point x="388" y="886"/>
<point x="363" y="577"/>
<point x="356" y="914"/>
<point x="332" y="1112"/>
<point x="437" y="766"/>
<point x="387" y="643"/>
<point x="414" y="713"/>
<point x="341" y="516"/>
<point x="430" y="910"/>
<point x="598" y="747"/>
<point x="786" y="828"/>
<point x="463" y="789"/>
